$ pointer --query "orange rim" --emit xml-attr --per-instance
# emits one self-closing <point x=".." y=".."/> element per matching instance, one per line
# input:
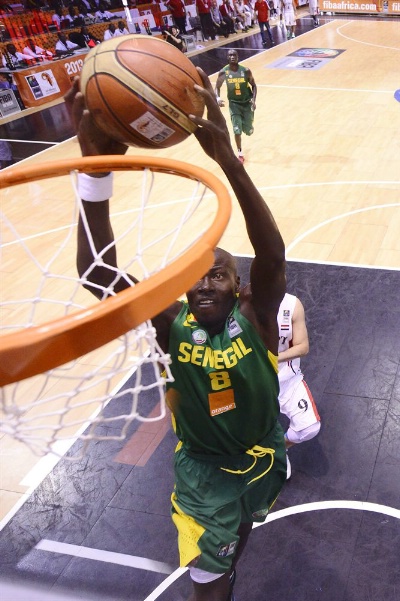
<point x="38" y="349"/>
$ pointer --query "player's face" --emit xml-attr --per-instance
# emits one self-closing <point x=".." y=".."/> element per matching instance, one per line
<point x="212" y="298"/>
<point x="233" y="58"/>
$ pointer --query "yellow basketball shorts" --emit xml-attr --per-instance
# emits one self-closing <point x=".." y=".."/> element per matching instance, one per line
<point x="214" y="495"/>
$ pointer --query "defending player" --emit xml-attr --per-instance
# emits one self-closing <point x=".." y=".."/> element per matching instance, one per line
<point x="295" y="398"/>
<point x="230" y="462"/>
<point x="242" y="93"/>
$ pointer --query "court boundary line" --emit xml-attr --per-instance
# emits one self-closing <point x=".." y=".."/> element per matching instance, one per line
<point x="327" y="263"/>
<point x="30" y="142"/>
<point x="122" y="559"/>
<point x="337" y="218"/>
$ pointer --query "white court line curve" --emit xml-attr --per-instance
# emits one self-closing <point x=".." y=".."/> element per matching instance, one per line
<point x="336" y="217"/>
<point x="351" y="39"/>
<point x="296" y="241"/>
<point x="317" y="506"/>
<point x="180" y="201"/>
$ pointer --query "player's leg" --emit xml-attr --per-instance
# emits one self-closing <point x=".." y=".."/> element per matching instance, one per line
<point x="297" y="403"/>
<point x="207" y="514"/>
<point x="221" y="587"/>
<point x="293" y="24"/>
<point x="244" y="532"/>
<point x="214" y="506"/>
<point x="236" y="118"/>
<point x="216" y="590"/>
<point x="247" y="117"/>
<point x="303" y="414"/>
<point x="287" y="24"/>
<point x="313" y="7"/>
<point x="238" y="141"/>
<point x="281" y="16"/>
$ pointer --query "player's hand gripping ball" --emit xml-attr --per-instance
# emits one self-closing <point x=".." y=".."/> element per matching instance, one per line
<point x="140" y="91"/>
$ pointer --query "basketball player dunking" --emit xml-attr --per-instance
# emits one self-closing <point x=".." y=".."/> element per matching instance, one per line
<point x="230" y="462"/>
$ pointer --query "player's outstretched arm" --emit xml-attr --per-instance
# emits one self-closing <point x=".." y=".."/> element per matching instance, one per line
<point x="268" y="282"/>
<point x="93" y="143"/>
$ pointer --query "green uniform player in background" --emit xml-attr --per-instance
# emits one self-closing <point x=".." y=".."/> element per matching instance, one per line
<point x="242" y="92"/>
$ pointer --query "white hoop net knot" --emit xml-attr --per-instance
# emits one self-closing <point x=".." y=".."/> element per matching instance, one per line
<point x="72" y="367"/>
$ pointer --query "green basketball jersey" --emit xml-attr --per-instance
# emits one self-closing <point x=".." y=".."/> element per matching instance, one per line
<point x="237" y="83"/>
<point x="224" y="397"/>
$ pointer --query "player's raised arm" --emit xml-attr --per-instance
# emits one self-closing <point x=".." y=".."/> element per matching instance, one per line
<point x="93" y="142"/>
<point x="268" y="282"/>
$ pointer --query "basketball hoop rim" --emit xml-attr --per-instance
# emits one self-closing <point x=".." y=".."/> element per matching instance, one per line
<point x="37" y="349"/>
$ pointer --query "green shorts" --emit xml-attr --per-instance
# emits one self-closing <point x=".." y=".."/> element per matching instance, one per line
<point x="242" y="117"/>
<point x="214" y="495"/>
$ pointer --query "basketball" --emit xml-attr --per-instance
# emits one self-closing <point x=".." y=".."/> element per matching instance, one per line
<point x="140" y="91"/>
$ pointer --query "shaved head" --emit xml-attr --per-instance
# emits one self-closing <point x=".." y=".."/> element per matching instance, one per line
<point x="226" y="257"/>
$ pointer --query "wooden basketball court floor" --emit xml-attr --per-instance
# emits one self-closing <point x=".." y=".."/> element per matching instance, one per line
<point x="325" y="155"/>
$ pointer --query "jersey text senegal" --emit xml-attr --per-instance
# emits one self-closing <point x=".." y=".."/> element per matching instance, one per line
<point x="222" y="385"/>
<point x="237" y="83"/>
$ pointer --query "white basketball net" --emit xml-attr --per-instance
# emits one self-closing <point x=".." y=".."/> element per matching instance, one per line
<point x="153" y="223"/>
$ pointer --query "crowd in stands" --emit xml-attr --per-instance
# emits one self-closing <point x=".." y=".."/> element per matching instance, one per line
<point x="211" y="17"/>
<point x="72" y="25"/>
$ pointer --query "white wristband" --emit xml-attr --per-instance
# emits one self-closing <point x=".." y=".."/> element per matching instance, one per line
<point x="95" y="189"/>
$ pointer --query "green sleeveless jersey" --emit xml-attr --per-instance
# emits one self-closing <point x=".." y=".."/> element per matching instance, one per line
<point x="224" y="398"/>
<point x="237" y="83"/>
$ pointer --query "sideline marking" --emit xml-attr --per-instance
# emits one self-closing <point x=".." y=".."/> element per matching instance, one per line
<point x="121" y="559"/>
<point x="30" y="142"/>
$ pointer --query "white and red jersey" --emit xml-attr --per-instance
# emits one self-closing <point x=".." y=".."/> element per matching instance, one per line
<point x="288" y="369"/>
<point x="295" y="398"/>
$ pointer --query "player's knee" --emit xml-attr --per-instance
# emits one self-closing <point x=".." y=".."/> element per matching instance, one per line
<point x="201" y="576"/>
<point x="303" y="435"/>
